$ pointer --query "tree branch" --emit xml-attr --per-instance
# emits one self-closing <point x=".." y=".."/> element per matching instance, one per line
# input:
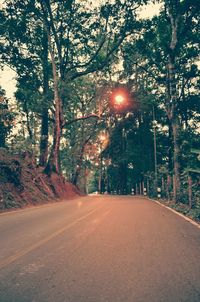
<point x="95" y="67"/>
<point x="95" y="54"/>
<point x="81" y="118"/>
<point x="51" y="25"/>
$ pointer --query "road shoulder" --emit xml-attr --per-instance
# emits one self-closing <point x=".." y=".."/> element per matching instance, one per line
<point x="190" y="220"/>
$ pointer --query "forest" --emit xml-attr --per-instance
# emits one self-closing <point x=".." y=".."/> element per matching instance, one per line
<point x="106" y="100"/>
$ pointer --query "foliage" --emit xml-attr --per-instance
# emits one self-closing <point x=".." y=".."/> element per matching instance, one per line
<point x="6" y="119"/>
<point x="67" y="54"/>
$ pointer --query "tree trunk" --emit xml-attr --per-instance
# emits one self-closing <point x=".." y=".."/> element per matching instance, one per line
<point x="136" y="189"/>
<point x="170" y="147"/>
<point x="28" y="125"/>
<point x="44" y="138"/>
<point x="100" y="174"/>
<point x="76" y="175"/>
<point x="172" y="98"/>
<point x="44" y="127"/>
<point x="82" y="181"/>
<point x="53" y="162"/>
<point x="155" y="153"/>
<point x="174" y="122"/>
<point x="168" y="187"/>
<point x="148" y="191"/>
<point x="123" y="178"/>
<point x="190" y="190"/>
<point x="176" y="161"/>
<point x="79" y="165"/>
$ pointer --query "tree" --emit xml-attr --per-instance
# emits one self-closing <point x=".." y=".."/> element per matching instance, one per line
<point x="170" y="48"/>
<point x="130" y="138"/>
<point x="80" y="43"/>
<point x="81" y="126"/>
<point x="6" y="119"/>
<point x="25" y="49"/>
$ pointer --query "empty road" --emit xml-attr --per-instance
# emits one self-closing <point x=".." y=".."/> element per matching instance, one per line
<point x="99" y="248"/>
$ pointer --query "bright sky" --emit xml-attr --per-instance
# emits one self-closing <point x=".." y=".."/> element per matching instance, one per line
<point x="150" y="10"/>
<point x="7" y="81"/>
<point x="7" y="76"/>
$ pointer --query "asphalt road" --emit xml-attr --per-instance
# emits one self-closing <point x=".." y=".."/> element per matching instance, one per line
<point x="99" y="248"/>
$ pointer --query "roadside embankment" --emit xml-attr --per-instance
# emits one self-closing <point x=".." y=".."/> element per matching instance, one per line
<point x="22" y="183"/>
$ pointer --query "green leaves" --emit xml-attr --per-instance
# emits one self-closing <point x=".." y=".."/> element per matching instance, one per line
<point x="6" y="118"/>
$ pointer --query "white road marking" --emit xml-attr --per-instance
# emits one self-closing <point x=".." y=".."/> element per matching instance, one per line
<point x="177" y="213"/>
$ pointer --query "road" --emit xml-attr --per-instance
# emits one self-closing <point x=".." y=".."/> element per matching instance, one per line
<point x="99" y="248"/>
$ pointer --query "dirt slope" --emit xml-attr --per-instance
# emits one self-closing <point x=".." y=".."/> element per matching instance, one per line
<point x="23" y="183"/>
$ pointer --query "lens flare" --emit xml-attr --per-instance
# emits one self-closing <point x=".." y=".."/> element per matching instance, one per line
<point x="119" y="99"/>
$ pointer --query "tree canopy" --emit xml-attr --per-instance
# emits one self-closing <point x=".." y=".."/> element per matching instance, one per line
<point x="72" y="58"/>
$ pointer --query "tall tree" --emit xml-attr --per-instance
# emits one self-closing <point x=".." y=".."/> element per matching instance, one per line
<point x="170" y="46"/>
<point x="81" y="41"/>
<point x="6" y="119"/>
<point x="25" y="49"/>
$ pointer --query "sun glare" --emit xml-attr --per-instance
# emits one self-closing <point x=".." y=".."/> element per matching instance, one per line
<point x="119" y="99"/>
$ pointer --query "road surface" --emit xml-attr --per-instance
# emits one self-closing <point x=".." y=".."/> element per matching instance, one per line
<point x="99" y="248"/>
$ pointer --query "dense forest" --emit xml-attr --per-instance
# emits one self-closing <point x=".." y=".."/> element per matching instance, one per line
<point x="105" y="99"/>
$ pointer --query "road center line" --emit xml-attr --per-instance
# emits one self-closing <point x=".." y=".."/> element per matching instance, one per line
<point x="29" y="249"/>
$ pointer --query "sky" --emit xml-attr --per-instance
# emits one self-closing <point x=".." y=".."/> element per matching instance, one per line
<point x="7" y="76"/>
